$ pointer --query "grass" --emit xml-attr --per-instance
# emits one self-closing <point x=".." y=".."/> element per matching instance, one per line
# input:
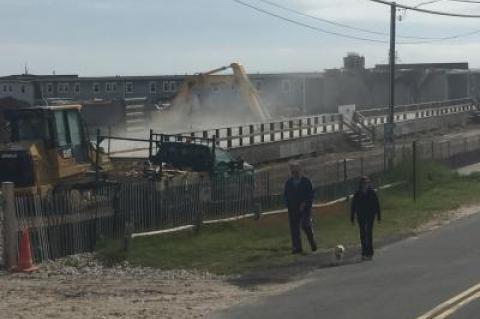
<point x="247" y="245"/>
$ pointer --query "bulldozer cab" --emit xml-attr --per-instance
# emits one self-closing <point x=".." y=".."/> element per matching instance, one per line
<point x="47" y="147"/>
<point x="57" y="127"/>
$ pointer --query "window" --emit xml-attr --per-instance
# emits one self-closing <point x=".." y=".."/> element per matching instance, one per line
<point x="65" y="87"/>
<point x="173" y="86"/>
<point x="215" y="89"/>
<point x="10" y="88"/>
<point x="153" y="87"/>
<point x="60" y="87"/>
<point x="108" y="87"/>
<point x="114" y="87"/>
<point x="50" y="88"/>
<point x="22" y="88"/>
<point x="129" y="87"/>
<point x="96" y="87"/>
<point x="165" y="86"/>
<point x="74" y="128"/>
<point x="4" y="88"/>
<point x="61" y="129"/>
<point x="76" y="88"/>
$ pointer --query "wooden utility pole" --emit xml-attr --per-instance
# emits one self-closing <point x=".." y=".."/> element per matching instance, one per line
<point x="389" y="128"/>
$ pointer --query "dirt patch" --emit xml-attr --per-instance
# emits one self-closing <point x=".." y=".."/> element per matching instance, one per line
<point x="78" y="287"/>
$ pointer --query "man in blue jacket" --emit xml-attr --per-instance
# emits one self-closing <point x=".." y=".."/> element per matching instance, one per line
<point x="298" y="198"/>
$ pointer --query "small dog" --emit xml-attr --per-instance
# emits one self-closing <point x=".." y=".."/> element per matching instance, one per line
<point x="338" y="252"/>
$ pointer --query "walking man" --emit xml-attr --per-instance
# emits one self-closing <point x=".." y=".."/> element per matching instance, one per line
<point x="298" y="198"/>
<point x="365" y="207"/>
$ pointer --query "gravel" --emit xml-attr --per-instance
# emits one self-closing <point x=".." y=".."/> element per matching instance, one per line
<point x="81" y="287"/>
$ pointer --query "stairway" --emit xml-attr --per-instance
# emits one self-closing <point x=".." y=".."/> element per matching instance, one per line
<point x="135" y="115"/>
<point x="359" y="139"/>
<point x="358" y="133"/>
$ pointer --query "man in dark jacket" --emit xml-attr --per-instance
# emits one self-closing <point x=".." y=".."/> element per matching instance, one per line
<point x="298" y="198"/>
<point x="365" y="207"/>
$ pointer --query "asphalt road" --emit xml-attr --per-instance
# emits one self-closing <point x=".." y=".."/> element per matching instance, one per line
<point x="404" y="281"/>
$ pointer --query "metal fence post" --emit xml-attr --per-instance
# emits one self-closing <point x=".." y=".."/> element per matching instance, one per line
<point x="11" y="225"/>
<point x="414" y="167"/>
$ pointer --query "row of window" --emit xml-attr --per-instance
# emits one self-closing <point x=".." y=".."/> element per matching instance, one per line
<point x="168" y="86"/>
<point x="9" y="88"/>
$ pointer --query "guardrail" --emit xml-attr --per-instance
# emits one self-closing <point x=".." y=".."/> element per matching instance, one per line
<point x="299" y="127"/>
<point x="416" y="111"/>
<point x="258" y="133"/>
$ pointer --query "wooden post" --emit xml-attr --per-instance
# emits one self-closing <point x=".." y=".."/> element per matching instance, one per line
<point x="240" y="135"/>
<point x="229" y="137"/>
<point x="252" y="137"/>
<point x="10" y="225"/>
<point x="97" y="159"/>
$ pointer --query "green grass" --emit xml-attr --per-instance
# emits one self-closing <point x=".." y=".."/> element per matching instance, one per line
<point x="247" y="245"/>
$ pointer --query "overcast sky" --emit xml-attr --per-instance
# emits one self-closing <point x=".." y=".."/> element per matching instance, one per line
<point x="127" y="37"/>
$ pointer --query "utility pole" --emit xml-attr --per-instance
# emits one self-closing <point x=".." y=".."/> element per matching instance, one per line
<point x="389" y="134"/>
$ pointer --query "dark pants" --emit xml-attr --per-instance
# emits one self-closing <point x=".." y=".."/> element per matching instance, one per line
<point x="303" y="219"/>
<point x="366" y="228"/>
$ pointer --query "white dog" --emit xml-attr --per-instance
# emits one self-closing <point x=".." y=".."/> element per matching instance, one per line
<point x="338" y="252"/>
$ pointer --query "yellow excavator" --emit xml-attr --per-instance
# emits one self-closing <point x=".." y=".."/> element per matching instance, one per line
<point x="48" y="150"/>
<point x="181" y="106"/>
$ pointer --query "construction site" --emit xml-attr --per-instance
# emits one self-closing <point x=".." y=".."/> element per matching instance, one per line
<point x="167" y="160"/>
<point x="71" y="185"/>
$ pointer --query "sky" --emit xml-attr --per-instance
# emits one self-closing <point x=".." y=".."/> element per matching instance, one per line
<point x="152" y="37"/>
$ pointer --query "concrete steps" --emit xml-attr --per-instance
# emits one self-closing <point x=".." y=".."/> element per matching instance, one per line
<point x="359" y="139"/>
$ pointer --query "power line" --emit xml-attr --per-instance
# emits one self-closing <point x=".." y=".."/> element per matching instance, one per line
<point x="343" y="35"/>
<point x="307" y="25"/>
<point x="465" y="1"/>
<point x="426" y="2"/>
<point x="346" y="25"/>
<point x="449" y="14"/>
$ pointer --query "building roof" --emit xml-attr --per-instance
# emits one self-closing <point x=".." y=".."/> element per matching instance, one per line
<point x="422" y="66"/>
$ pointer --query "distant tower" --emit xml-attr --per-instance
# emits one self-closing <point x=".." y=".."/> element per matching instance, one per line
<point x="353" y="62"/>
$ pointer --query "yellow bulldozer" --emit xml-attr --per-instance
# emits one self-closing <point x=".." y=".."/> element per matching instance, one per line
<point x="47" y="150"/>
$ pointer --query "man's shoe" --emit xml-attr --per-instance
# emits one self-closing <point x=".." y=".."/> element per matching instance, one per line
<point x="314" y="247"/>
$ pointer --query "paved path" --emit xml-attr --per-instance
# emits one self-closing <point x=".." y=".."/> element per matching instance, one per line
<point x="467" y="170"/>
<point x="405" y="280"/>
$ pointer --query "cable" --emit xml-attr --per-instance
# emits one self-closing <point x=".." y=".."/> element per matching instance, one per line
<point x="307" y="25"/>
<point x="426" y="2"/>
<point x="350" y="36"/>
<point x="465" y="1"/>
<point x="449" y="14"/>
<point x="346" y="25"/>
